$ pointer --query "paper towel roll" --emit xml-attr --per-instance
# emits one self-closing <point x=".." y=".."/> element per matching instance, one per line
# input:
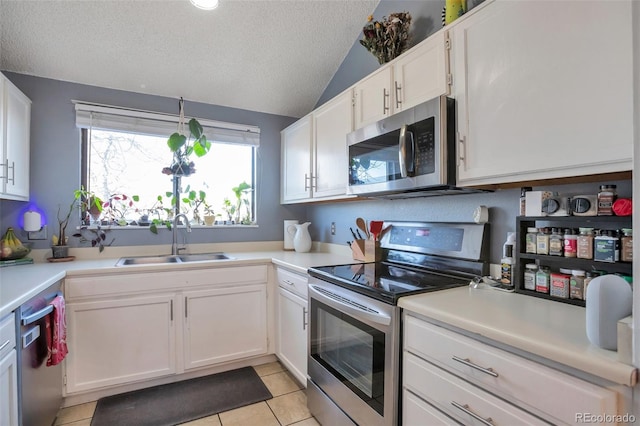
<point x="32" y="221"/>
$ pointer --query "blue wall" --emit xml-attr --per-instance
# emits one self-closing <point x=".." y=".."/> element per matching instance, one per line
<point x="55" y="160"/>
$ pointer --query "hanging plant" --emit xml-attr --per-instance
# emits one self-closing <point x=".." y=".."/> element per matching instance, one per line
<point x="184" y="146"/>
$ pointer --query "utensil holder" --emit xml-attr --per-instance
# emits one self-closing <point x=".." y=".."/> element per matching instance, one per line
<point x="366" y="250"/>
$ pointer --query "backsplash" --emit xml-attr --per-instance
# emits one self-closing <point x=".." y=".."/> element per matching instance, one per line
<point x="503" y="209"/>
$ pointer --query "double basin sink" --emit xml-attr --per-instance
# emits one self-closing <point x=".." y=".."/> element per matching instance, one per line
<point x="178" y="258"/>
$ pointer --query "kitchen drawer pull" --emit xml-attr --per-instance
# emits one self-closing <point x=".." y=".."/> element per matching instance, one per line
<point x="13" y="172"/>
<point x="398" y="89"/>
<point x="307" y="179"/>
<point x="4" y="345"/>
<point x="385" y="95"/>
<point x="288" y="282"/>
<point x="465" y="408"/>
<point x="468" y="363"/>
<point x="304" y="319"/>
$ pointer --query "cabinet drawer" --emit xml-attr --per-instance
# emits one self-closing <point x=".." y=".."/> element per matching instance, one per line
<point x="416" y="412"/>
<point x="513" y="377"/>
<point x="459" y="398"/>
<point x="293" y="282"/>
<point x="7" y="334"/>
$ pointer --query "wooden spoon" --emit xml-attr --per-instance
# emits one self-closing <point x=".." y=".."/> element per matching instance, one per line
<point x="362" y="225"/>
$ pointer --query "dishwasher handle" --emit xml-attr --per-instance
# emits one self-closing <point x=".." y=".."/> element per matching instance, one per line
<point x="30" y="319"/>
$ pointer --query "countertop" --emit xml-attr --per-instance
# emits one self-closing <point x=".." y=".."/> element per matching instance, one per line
<point x="20" y="283"/>
<point x="550" y="330"/>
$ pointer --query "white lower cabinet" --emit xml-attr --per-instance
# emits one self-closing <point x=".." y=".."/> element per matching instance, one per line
<point x="127" y="328"/>
<point x="224" y="324"/>
<point x="292" y="323"/>
<point x="474" y="382"/>
<point x="8" y="373"/>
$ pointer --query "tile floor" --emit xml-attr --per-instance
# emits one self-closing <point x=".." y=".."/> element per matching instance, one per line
<point x="287" y="407"/>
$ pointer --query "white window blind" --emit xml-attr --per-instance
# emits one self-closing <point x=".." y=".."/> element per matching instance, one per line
<point x="106" y="117"/>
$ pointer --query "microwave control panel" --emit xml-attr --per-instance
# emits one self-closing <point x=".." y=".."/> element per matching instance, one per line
<point x="424" y="134"/>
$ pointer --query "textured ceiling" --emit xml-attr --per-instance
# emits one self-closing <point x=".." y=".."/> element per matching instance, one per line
<point x="270" y="56"/>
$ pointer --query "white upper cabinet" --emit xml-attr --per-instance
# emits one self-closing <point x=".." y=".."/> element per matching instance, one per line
<point x="543" y="90"/>
<point x="331" y="124"/>
<point x="296" y="161"/>
<point x="419" y="74"/>
<point x="314" y="153"/>
<point x="15" y="121"/>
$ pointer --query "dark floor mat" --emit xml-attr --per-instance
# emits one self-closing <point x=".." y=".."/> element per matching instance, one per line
<point x="181" y="402"/>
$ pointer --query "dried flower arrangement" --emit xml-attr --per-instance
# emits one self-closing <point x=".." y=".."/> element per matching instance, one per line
<point x="387" y="38"/>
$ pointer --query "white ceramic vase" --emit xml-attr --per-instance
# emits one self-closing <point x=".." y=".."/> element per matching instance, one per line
<point x="301" y="237"/>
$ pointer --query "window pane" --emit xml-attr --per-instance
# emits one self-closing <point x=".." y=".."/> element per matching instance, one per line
<point x="124" y="163"/>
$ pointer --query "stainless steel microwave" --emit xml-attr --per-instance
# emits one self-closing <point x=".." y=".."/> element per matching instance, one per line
<point x="409" y="154"/>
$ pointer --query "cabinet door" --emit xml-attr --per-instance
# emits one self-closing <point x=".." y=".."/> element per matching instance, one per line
<point x="291" y="346"/>
<point x="296" y="161"/>
<point x="9" y="390"/>
<point x="543" y="101"/>
<point x="224" y="324"/>
<point x="116" y="341"/>
<point x="331" y="124"/>
<point x="17" y="127"/>
<point x="421" y="73"/>
<point x="373" y="98"/>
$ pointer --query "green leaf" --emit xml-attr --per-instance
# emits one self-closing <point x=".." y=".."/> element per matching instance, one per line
<point x="169" y="194"/>
<point x="201" y="146"/>
<point x="186" y="200"/>
<point x="136" y="198"/>
<point x="203" y="195"/>
<point x="153" y="228"/>
<point x="195" y="128"/>
<point x="176" y="141"/>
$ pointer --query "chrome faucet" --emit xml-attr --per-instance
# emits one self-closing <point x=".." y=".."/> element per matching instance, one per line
<point x="174" y="244"/>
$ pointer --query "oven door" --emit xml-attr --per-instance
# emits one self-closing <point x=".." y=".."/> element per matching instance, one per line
<point x="353" y="352"/>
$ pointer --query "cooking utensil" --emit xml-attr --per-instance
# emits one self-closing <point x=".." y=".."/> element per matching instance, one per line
<point x="362" y="224"/>
<point x="375" y="226"/>
<point x="355" y="237"/>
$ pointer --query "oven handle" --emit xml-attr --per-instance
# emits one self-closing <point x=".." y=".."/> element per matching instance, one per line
<point x="357" y="310"/>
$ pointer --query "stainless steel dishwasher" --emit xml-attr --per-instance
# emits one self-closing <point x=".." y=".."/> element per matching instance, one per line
<point x="39" y="386"/>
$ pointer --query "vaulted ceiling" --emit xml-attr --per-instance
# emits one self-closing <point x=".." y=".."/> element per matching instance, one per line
<point x="273" y="56"/>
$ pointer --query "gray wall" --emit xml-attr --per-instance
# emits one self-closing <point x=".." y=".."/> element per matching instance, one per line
<point x="55" y="159"/>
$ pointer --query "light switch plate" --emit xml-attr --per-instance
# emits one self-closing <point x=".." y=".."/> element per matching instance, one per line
<point x="38" y="235"/>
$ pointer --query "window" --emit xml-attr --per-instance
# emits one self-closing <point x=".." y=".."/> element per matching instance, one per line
<point x="123" y="156"/>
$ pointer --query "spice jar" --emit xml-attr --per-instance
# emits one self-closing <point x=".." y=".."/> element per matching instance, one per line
<point x="542" y="241"/>
<point x="577" y="284"/>
<point x="606" y="247"/>
<point x="530" y="238"/>
<point x="606" y="196"/>
<point x="559" y="286"/>
<point x="589" y="275"/>
<point x="585" y="243"/>
<point x="542" y="279"/>
<point x="556" y="242"/>
<point x="523" y="199"/>
<point x="626" y="245"/>
<point x="530" y="270"/>
<point x="570" y="243"/>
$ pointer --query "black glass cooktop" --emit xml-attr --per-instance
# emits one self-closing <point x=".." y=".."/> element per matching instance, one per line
<point x="385" y="281"/>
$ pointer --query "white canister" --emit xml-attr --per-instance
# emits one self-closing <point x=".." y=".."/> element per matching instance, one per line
<point x="289" y="233"/>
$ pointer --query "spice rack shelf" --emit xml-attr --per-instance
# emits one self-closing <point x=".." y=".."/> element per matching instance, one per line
<point x="555" y="262"/>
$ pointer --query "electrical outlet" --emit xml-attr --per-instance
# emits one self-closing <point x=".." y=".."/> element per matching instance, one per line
<point x="38" y="235"/>
<point x="333" y="228"/>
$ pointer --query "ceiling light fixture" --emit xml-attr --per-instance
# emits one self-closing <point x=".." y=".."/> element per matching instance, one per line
<point x="205" y="4"/>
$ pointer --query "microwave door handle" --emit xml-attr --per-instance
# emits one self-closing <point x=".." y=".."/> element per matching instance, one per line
<point x="407" y="152"/>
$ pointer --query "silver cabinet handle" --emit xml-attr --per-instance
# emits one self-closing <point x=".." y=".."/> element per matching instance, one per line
<point x="288" y="282"/>
<point x="398" y="89"/>
<point x="385" y="96"/>
<point x="468" y="363"/>
<point x="13" y="172"/>
<point x="307" y="178"/>
<point x="304" y="319"/>
<point x="462" y="148"/>
<point x="5" y="166"/>
<point x="465" y="409"/>
<point x="171" y="311"/>
<point x="4" y="345"/>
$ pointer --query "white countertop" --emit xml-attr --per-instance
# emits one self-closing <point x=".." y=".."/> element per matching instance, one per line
<point x="552" y="330"/>
<point x="20" y="283"/>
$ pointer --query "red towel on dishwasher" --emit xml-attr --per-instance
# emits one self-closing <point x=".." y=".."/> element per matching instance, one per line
<point x="56" y="332"/>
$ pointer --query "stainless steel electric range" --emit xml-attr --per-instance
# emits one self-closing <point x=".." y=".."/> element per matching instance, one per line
<point x="354" y="334"/>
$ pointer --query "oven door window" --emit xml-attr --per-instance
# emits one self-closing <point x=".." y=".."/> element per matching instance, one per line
<point x="351" y="351"/>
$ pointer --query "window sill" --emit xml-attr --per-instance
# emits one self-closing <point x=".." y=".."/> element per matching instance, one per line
<point x="134" y="227"/>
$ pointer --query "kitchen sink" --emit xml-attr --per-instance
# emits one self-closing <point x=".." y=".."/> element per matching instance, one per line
<point x="183" y="258"/>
